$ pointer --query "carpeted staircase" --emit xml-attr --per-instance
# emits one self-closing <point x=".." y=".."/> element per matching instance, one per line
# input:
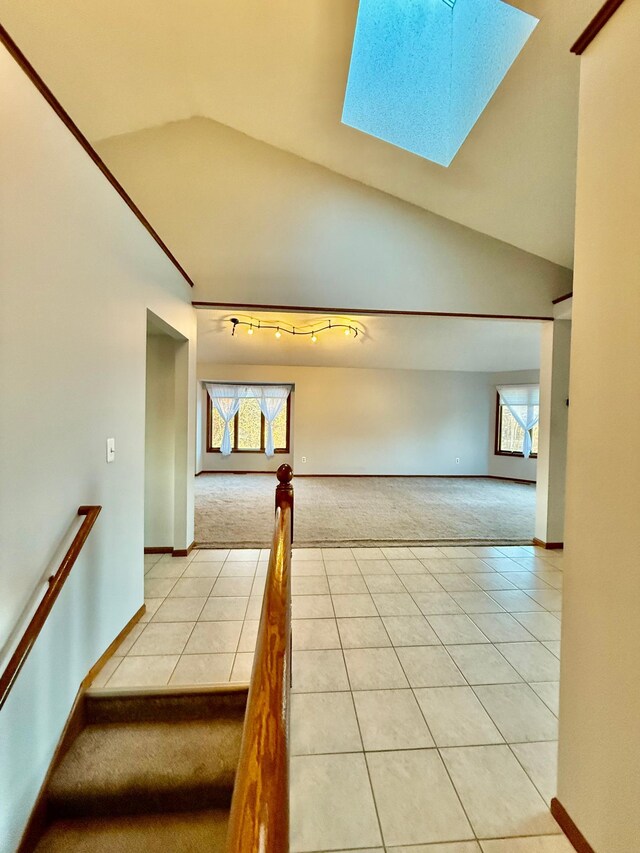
<point x="147" y="772"/>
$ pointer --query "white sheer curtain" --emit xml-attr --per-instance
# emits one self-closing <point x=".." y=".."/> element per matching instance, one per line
<point x="272" y="400"/>
<point x="226" y="402"/>
<point x="523" y="401"/>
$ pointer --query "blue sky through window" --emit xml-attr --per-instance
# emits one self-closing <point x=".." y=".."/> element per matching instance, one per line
<point x="422" y="71"/>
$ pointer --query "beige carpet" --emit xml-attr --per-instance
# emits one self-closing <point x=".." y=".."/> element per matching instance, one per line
<point x="237" y="510"/>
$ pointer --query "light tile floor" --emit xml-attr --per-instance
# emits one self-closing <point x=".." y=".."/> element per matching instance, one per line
<point x="425" y="686"/>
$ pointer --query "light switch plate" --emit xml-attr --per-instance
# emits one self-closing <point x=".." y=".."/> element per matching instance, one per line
<point x="111" y="450"/>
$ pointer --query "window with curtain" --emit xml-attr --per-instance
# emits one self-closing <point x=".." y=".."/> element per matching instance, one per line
<point x="517" y="415"/>
<point x="248" y="429"/>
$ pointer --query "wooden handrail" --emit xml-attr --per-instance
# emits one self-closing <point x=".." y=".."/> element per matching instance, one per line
<point x="56" y="582"/>
<point x="259" y="820"/>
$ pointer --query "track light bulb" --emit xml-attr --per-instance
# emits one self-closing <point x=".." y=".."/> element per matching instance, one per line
<point x="250" y="330"/>
<point x="313" y="339"/>
<point x="278" y="334"/>
<point x="347" y="331"/>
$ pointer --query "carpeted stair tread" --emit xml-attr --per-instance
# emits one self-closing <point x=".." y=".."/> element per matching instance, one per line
<point x="183" y="832"/>
<point x="130" y="768"/>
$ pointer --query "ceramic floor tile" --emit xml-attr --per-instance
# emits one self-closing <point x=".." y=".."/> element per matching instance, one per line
<point x="201" y="569"/>
<point x="332" y="804"/>
<point x="367" y="553"/>
<point x="179" y="610"/>
<point x="497" y="794"/>
<point x="158" y="587"/>
<point x="162" y="638"/>
<point x="310" y="585"/>
<point x="242" y="666"/>
<point x="408" y="567"/>
<point x="422" y="583"/>
<point x="483" y="664"/>
<point x="106" y="672"/>
<point x="410" y="631"/>
<point x="254" y="607"/>
<point x="526" y="580"/>
<point x="306" y="568"/>
<point x="345" y="584"/>
<point x="363" y="632"/>
<point x="374" y="669"/>
<point x="456" y="717"/>
<point x="427" y="552"/>
<point x="238" y="569"/>
<point x="441" y="567"/>
<point x="375" y="567"/>
<point x="342" y="567"/>
<point x="549" y="692"/>
<point x="543" y="626"/>
<point x="223" y="609"/>
<point x="129" y="640"/>
<point x="457" y="583"/>
<point x="248" y="636"/>
<point x="532" y="661"/>
<point x="323" y="723"/>
<point x="456" y="630"/>
<point x="234" y="587"/>
<point x="214" y="638"/>
<point x="540" y="761"/>
<point x="476" y="602"/>
<point x="491" y="581"/>
<point x="332" y="554"/>
<point x="210" y="554"/>
<point x="483" y="551"/>
<point x="429" y="666"/>
<point x="166" y="570"/>
<point x="247" y="554"/>
<point x="147" y="671"/>
<point x="391" y="719"/>
<point x="539" y="844"/>
<point x="501" y="627"/>
<point x="384" y="583"/>
<point x="192" y="588"/>
<point x="319" y="671"/>
<point x="314" y="634"/>
<point x="457" y="551"/>
<point x="550" y="599"/>
<point x="177" y="561"/>
<point x="416" y="801"/>
<point x="312" y="607"/>
<point x="395" y="604"/>
<point x="456" y="847"/>
<point x="397" y="553"/>
<point x="436" y="603"/>
<point x="515" y="601"/>
<point x="554" y="647"/>
<point x="304" y="554"/>
<point x="518" y="712"/>
<point x="151" y="605"/>
<point x="354" y="605"/>
<point x="202" y="669"/>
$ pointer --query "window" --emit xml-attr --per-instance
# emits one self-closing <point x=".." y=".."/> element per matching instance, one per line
<point x="509" y="434"/>
<point x="248" y="428"/>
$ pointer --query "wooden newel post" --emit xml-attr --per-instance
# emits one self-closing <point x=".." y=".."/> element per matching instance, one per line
<point x="284" y="490"/>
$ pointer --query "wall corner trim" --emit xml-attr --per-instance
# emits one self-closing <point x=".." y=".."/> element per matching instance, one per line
<point x="575" y="837"/>
<point x="183" y="552"/>
<point x="548" y="545"/>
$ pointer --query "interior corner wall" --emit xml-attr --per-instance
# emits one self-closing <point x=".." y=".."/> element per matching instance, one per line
<point x="513" y="467"/>
<point x="370" y="421"/>
<point x="599" y="744"/>
<point x="160" y="450"/>
<point x="78" y="274"/>
<point x="260" y="225"/>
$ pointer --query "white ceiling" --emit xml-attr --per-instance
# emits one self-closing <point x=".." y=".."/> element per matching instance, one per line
<point x="277" y="71"/>
<point x="401" y="342"/>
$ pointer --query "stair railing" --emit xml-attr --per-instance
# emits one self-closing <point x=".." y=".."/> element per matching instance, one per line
<point x="56" y="582"/>
<point x="259" y="819"/>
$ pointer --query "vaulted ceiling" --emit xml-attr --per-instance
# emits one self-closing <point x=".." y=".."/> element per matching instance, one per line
<point x="277" y="71"/>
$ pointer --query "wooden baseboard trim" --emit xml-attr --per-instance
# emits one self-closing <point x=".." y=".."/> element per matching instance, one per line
<point x="95" y="669"/>
<point x="575" y="837"/>
<point x="388" y="476"/>
<point x="162" y="549"/>
<point x="38" y="818"/>
<point x="183" y="552"/>
<point x="550" y="546"/>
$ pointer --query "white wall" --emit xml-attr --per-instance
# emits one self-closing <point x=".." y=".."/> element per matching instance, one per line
<point x="357" y="421"/>
<point x="510" y="466"/>
<point x="260" y="225"/>
<point x="599" y="782"/>
<point x="78" y="274"/>
<point x="159" y="463"/>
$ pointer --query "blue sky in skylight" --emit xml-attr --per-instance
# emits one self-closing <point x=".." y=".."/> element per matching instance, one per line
<point x="422" y="71"/>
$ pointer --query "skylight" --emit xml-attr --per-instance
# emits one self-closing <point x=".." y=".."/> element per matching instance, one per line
<point x="422" y="71"/>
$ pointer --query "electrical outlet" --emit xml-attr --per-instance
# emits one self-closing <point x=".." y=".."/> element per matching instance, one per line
<point x="457" y="460"/>
<point x="304" y="459"/>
